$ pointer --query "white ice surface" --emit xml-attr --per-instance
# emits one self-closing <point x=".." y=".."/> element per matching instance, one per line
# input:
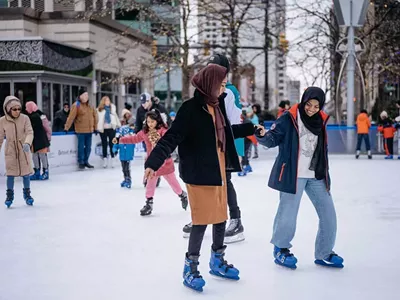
<point x="84" y="239"/>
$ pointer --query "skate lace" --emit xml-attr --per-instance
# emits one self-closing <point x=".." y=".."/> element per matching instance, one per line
<point x="286" y="252"/>
<point x="232" y="224"/>
<point x="194" y="271"/>
<point x="224" y="263"/>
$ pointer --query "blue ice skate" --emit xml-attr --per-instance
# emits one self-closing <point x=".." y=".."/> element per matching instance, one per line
<point x="27" y="197"/>
<point x="284" y="258"/>
<point x="332" y="261"/>
<point x="219" y="267"/>
<point x="248" y="169"/>
<point x="10" y="198"/>
<point x="242" y="174"/>
<point x="389" y="157"/>
<point x="191" y="276"/>
<point x="128" y="183"/>
<point x="45" y="175"/>
<point x="36" y="175"/>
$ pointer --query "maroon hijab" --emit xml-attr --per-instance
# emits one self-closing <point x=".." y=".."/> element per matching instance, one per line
<point x="208" y="82"/>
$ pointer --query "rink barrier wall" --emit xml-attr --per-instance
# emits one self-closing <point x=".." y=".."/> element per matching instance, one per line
<point x="337" y="139"/>
<point x="64" y="150"/>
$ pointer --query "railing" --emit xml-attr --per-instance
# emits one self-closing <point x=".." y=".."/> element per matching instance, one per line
<point x="338" y="138"/>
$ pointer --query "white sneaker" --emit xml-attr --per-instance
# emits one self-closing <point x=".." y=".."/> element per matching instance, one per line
<point x="111" y="162"/>
<point x="105" y="163"/>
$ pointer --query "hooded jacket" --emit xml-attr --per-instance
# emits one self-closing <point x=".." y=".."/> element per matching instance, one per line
<point x="363" y="123"/>
<point x="40" y="126"/>
<point x="18" y="132"/>
<point x="285" y="134"/>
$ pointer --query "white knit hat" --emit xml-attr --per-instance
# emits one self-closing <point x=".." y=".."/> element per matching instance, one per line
<point x="384" y="114"/>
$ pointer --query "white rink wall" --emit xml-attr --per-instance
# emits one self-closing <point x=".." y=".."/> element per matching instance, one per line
<point x="64" y="150"/>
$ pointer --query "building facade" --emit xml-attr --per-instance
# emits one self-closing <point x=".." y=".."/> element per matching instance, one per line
<point x="214" y="32"/>
<point x="113" y="56"/>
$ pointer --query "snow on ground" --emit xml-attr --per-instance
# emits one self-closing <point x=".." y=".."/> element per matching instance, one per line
<point x="84" y="239"/>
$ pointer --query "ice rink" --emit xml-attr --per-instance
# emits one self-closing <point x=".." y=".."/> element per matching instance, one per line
<point x="84" y="239"/>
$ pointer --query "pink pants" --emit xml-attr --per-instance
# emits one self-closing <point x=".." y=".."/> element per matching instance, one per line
<point x="170" y="178"/>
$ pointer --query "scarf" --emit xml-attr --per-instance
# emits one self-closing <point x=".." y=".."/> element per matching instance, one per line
<point x="108" y="114"/>
<point x="154" y="137"/>
<point x="208" y="82"/>
<point x="315" y="124"/>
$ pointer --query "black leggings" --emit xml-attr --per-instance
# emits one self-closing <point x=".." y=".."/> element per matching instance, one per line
<point x="247" y="152"/>
<point x="109" y="134"/>
<point x="126" y="169"/>
<point x="234" y="210"/>
<point x="197" y="235"/>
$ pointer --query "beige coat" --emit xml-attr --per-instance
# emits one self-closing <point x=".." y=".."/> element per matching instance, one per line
<point x="17" y="132"/>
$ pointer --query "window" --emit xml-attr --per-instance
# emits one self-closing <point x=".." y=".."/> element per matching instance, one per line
<point x="56" y="98"/>
<point x="4" y="3"/>
<point x="88" y="5"/>
<point x="66" y="93"/>
<point x="26" y="3"/>
<point x="132" y="15"/>
<point x="63" y="5"/>
<point x="25" y="91"/>
<point x="5" y="90"/>
<point x="281" y="81"/>
<point x="46" y="99"/>
<point x="99" y="4"/>
<point x="14" y="3"/>
<point x="39" y="5"/>
<point x="281" y="88"/>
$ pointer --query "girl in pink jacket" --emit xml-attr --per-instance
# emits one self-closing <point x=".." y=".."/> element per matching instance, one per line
<point x="153" y="129"/>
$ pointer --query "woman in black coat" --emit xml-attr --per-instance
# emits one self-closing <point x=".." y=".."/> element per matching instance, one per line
<point x="206" y="150"/>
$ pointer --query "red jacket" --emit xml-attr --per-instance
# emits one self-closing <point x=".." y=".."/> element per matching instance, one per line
<point x="168" y="166"/>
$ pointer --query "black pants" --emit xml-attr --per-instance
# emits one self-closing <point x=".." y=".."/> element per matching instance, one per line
<point x="126" y="170"/>
<point x="388" y="146"/>
<point x="360" y="138"/>
<point x="197" y="235"/>
<point x="107" y="134"/>
<point x="234" y="210"/>
<point x="247" y="152"/>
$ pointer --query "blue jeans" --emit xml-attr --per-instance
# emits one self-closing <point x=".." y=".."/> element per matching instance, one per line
<point x="84" y="147"/>
<point x="360" y="138"/>
<point x="26" y="180"/>
<point x="286" y="217"/>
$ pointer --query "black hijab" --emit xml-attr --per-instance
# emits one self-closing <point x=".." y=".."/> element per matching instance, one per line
<point x="316" y="125"/>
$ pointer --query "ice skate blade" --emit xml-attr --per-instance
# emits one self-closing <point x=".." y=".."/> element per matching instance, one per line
<point x="198" y="289"/>
<point x="186" y="235"/>
<point x="321" y="264"/>
<point x="285" y="266"/>
<point x="219" y="275"/>
<point x="234" y="239"/>
<point x="29" y="202"/>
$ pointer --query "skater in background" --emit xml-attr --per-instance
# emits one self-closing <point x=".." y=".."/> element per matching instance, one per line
<point x="60" y="119"/>
<point x="283" y="107"/>
<point x="172" y="116"/>
<point x="84" y="117"/>
<point x="41" y="140"/>
<point x="363" y="125"/>
<point x="127" y="118"/>
<point x="302" y="165"/>
<point x="233" y="107"/>
<point x="18" y="130"/>
<point x="151" y="133"/>
<point x="107" y="123"/>
<point x="205" y="139"/>
<point x="252" y="116"/>
<point x="148" y="103"/>
<point x="126" y="153"/>
<point x="249" y="141"/>
<point x="388" y="130"/>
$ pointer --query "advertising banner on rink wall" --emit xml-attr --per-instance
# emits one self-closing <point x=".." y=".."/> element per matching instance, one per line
<point x="64" y="152"/>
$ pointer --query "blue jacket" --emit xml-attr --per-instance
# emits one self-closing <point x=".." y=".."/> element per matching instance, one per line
<point x="126" y="151"/>
<point x="285" y="134"/>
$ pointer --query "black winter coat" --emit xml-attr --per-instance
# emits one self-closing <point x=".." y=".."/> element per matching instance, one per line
<point x="141" y="113"/>
<point x="59" y="121"/>
<point x="40" y="140"/>
<point x="194" y="132"/>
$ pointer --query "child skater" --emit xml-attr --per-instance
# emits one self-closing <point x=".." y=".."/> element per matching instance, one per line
<point x="153" y="129"/>
<point x="18" y="130"/>
<point x="41" y="140"/>
<point x="388" y="130"/>
<point x="126" y="154"/>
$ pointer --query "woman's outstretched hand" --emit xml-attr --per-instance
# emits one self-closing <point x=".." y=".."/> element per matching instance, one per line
<point x="149" y="174"/>
<point x="260" y="131"/>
